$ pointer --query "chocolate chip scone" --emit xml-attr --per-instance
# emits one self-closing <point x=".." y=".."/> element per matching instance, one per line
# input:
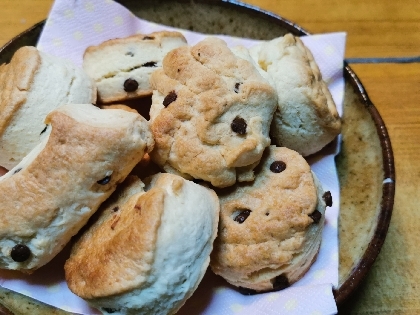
<point x="210" y="115"/>
<point x="121" y="67"/>
<point x="53" y="191"/>
<point x="147" y="251"/>
<point x="306" y="118"/>
<point x="32" y="85"/>
<point x="270" y="230"/>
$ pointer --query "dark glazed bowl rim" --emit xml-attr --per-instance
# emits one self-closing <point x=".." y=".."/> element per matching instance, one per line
<point x="358" y="273"/>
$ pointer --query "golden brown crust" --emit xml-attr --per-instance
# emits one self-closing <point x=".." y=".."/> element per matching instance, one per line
<point x="210" y="87"/>
<point x="46" y="183"/>
<point x="111" y="245"/>
<point x="147" y="251"/>
<point x="278" y="227"/>
<point x="53" y="191"/>
<point x="15" y="81"/>
<point x="32" y="85"/>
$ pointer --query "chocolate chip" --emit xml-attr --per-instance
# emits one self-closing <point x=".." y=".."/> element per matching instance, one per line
<point x="149" y="64"/>
<point x="238" y="125"/>
<point x="110" y="310"/>
<point x="17" y="170"/>
<point x="280" y="282"/>
<point x="327" y="198"/>
<point x="43" y="130"/>
<point x="20" y="253"/>
<point x="148" y="38"/>
<point x="246" y="291"/>
<point x="104" y="180"/>
<point x="316" y="216"/>
<point x="277" y="166"/>
<point x="115" y="209"/>
<point x="130" y="85"/>
<point x="241" y="217"/>
<point x="171" y="97"/>
<point x="236" y="89"/>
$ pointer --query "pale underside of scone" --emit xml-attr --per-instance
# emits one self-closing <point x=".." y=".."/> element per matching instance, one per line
<point x="32" y="85"/>
<point x="132" y="58"/>
<point x="54" y="190"/>
<point x="306" y="118"/>
<point x="270" y="231"/>
<point x="148" y="251"/>
<point x="210" y="115"/>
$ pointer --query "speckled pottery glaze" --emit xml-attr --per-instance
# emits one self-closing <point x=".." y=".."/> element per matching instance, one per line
<point x="365" y="163"/>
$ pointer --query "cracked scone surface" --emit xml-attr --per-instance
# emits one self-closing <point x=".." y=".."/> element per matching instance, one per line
<point x="210" y="114"/>
<point x="306" y="118"/>
<point x="268" y="234"/>
<point x="122" y="67"/>
<point x="53" y="191"/>
<point x="147" y="251"/>
<point x="32" y="85"/>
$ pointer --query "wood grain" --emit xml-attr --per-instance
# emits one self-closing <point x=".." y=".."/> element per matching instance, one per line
<point x="17" y="16"/>
<point x="392" y="285"/>
<point x="374" y="29"/>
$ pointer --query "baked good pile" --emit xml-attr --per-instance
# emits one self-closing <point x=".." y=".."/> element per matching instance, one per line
<point x="215" y="177"/>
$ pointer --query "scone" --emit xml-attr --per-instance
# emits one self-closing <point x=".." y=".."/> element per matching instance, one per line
<point x="306" y="118"/>
<point x="147" y="251"/>
<point x="53" y="191"/>
<point x="121" y="67"/>
<point x="118" y="106"/>
<point x="211" y="113"/>
<point x="270" y="230"/>
<point x="32" y="85"/>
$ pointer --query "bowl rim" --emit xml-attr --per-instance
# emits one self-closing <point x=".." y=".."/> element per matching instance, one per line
<point x="361" y="269"/>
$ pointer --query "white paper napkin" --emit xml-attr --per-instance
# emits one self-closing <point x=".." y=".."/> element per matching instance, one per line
<point x="74" y="25"/>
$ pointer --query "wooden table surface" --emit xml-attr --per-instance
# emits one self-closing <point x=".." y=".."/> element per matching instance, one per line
<point x="378" y="28"/>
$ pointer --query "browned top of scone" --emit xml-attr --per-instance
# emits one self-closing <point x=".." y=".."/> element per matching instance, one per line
<point x="76" y="157"/>
<point x="116" y="253"/>
<point x="154" y="37"/>
<point x="15" y="80"/>
<point x="210" y="113"/>
<point x="262" y="224"/>
<point x="139" y="234"/>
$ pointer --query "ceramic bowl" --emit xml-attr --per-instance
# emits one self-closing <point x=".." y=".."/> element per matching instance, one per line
<point x="365" y="163"/>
